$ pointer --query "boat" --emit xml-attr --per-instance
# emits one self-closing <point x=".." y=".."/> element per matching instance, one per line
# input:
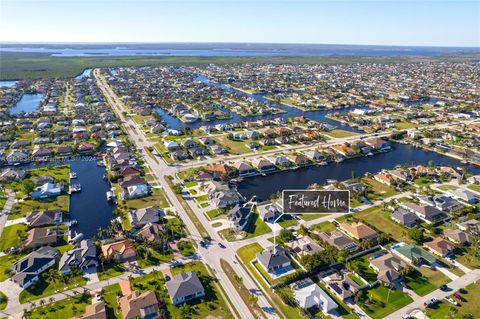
<point x="369" y="154"/>
<point x="109" y="195"/>
<point x="339" y="159"/>
<point x="104" y="176"/>
<point x="75" y="188"/>
<point x="100" y="163"/>
<point x="236" y="180"/>
<point x="293" y="168"/>
<point x="73" y="175"/>
<point x="323" y="163"/>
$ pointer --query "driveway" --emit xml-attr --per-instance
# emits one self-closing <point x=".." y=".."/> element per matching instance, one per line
<point x="12" y="291"/>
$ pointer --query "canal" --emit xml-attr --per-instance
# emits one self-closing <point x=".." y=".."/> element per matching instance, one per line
<point x="320" y="115"/>
<point x="264" y="186"/>
<point x="28" y="103"/>
<point x="89" y="207"/>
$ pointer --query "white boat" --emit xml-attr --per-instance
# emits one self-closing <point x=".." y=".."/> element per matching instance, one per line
<point x="324" y="163"/>
<point x="339" y="159"/>
<point x="75" y="188"/>
<point x="73" y="175"/>
<point x="109" y="195"/>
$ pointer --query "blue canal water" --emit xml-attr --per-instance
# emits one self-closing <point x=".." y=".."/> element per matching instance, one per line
<point x="85" y="74"/>
<point x="28" y="103"/>
<point x="174" y="123"/>
<point x="89" y="206"/>
<point x="7" y="84"/>
<point x="264" y="186"/>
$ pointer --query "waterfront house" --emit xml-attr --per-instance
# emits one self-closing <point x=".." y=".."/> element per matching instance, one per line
<point x="359" y="231"/>
<point x="18" y="156"/>
<point x="83" y="256"/>
<point x="314" y="155"/>
<point x="404" y="217"/>
<point x="264" y="165"/>
<point x="279" y="160"/>
<point x="37" y="237"/>
<point x="378" y="144"/>
<point x="354" y="186"/>
<point x="299" y="159"/>
<point x="457" y="236"/>
<point x="27" y="269"/>
<point x="244" y="169"/>
<point x="339" y="240"/>
<point x="308" y="294"/>
<point x="64" y="150"/>
<point x="46" y="218"/>
<point x="464" y="195"/>
<point x="440" y="247"/>
<point x="184" y="287"/>
<point x="269" y="212"/>
<point x="385" y="178"/>
<point x="304" y="246"/>
<point x="120" y="251"/>
<point x="344" y="150"/>
<point x="273" y="260"/>
<point x="239" y="217"/>
<point x="143" y="216"/>
<point x="12" y="175"/>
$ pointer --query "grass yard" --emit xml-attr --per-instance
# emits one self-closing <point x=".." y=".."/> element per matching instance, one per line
<point x="211" y="305"/>
<point x="474" y="187"/>
<point x="154" y="258"/>
<point x="5" y="263"/>
<point x="42" y="288"/>
<point x="309" y="217"/>
<point x="472" y="306"/>
<point x="111" y="270"/>
<point x="380" y="191"/>
<point x="22" y="209"/>
<point x="215" y="213"/>
<point x="109" y="294"/>
<point x="324" y="227"/>
<point x="157" y="198"/>
<point x="380" y="219"/>
<point x="12" y="236"/>
<point x="287" y="221"/>
<point x="62" y="309"/>
<point x="3" y="301"/>
<point x="386" y="302"/>
<point x="447" y="187"/>
<point x="340" y="133"/>
<point x="423" y="181"/>
<point x="404" y="125"/>
<point x="424" y="280"/>
<point x="234" y="147"/>
<point x="364" y="269"/>
<point x="255" y="227"/>
<point x="466" y="257"/>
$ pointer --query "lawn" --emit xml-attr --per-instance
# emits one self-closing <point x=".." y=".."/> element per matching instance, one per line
<point x="447" y="187"/>
<point x="424" y="280"/>
<point x="423" y="181"/>
<point x="340" y="133"/>
<point x="157" y="198"/>
<point x="62" y="309"/>
<point x="111" y="270"/>
<point x="190" y="184"/>
<point x="309" y="217"/>
<point x="43" y="289"/>
<point x="255" y="227"/>
<point x="5" y="263"/>
<point x="22" y="209"/>
<point x="472" y="306"/>
<point x="186" y="248"/>
<point x="234" y="147"/>
<point x="12" y="236"/>
<point x="364" y="270"/>
<point x="155" y="258"/>
<point x="324" y="227"/>
<point x="380" y="219"/>
<point x="474" y="187"/>
<point x="109" y="294"/>
<point x="386" y="302"/>
<point x="404" y="125"/>
<point x="466" y="258"/>
<point x="246" y="254"/>
<point x="380" y="191"/>
<point x="287" y="221"/>
<point x="212" y="305"/>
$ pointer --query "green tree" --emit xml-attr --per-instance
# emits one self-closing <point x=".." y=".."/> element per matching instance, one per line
<point x="416" y="234"/>
<point x="27" y="186"/>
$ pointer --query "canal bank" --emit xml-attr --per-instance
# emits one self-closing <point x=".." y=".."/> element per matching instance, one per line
<point x="28" y="103"/>
<point x="264" y="186"/>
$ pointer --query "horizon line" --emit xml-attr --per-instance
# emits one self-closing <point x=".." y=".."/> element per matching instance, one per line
<point x="219" y="42"/>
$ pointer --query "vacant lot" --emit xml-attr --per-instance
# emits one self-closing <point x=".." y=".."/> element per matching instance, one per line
<point x="385" y="302"/>
<point x="472" y="306"/>
<point x="424" y="280"/>
<point x="234" y="147"/>
<point x="380" y="219"/>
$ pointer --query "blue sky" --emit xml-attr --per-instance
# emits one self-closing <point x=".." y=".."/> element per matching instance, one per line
<point x="387" y="22"/>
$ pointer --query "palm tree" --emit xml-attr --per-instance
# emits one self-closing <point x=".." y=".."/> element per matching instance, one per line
<point x="26" y="314"/>
<point x="52" y="277"/>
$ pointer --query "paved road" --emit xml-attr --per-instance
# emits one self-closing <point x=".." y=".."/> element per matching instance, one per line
<point x="6" y="209"/>
<point x="159" y="168"/>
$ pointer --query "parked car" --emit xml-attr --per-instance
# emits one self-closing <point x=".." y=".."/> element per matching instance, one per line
<point x="452" y="301"/>
<point x="430" y="302"/>
<point x="443" y="287"/>
<point x="456" y="295"/>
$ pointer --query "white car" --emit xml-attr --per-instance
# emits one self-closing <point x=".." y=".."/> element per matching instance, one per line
<point x="452" y="301"/>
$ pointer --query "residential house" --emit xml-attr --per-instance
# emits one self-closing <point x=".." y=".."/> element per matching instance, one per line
<point x="388" y="268"/>
<point x="464" y="195"/>
<point x="404" y="217"/>
<point x="269" y="212"/>
<point x="470" y="225"/>
<point x="122" y="250"/>
<point x="341" y="285"/>
<point x="440" y="246"/>
<point x="308" y="295"/>
<point x="457" y="236"/>
<point x="339" y="240"/>
<point x="299" y="159"/>
<point x="12" y="175"/>
<point x="143" y="216"/>
<point x="427" y="213"/>
<point x="359" y="231"/>
<point x="344" y="150"/>
<point x="47" y="190"/>
<point x="27" y="269"/>
<point x="37" y="237"/>
<point x="245" y="169"/>
<point x="413" y="254"/>
<point x="138" y="305"/>
<point x="264" y="165"/>
<point x="378" y="144"/>
<point x="46" y="218"/>
<point x="273" y="259"/>
<point x="304" y="246"/>
<point x="385" y="178"/>
<point x="239" y="216"/>
<point x="314" y="155"/>
<point x="95" y="310"/>
<point x="136" y="191"/>
<point x="184" y="287"/>
<point x="83" y="256"/>
<point x="151" y="232"/>
<point x="279" y="160"/>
